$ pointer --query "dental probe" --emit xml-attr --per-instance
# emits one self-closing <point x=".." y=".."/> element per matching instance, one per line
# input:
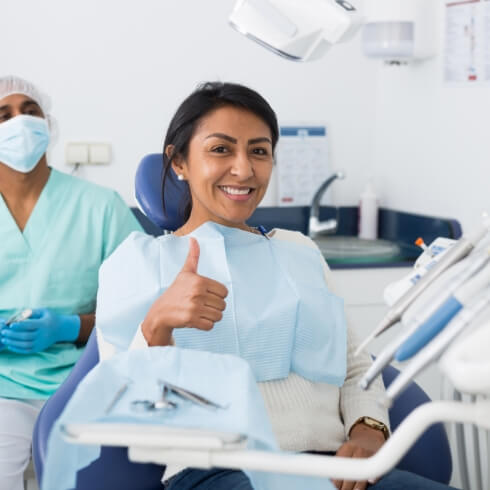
<point x="457" y="252"/>
<point x="19" y="317"/>
<point x="427" y="331"/>
<point x="433" y="351"/>
<point x="459" y="273"/>
<point x="118" y="395"/>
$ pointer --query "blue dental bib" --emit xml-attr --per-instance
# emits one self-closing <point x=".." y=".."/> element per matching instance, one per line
<point x="280" y="316"/>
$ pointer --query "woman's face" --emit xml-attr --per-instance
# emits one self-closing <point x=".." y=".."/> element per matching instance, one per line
<point x="228" y="166"/>
<point x="16" y="105"/>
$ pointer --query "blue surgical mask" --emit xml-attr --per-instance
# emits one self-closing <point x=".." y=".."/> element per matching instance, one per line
<point x="23" y="141"/>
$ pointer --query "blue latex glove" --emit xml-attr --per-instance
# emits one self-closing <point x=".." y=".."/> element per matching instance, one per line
<point x="42" y="329"/>
<point x="2" y="326"/>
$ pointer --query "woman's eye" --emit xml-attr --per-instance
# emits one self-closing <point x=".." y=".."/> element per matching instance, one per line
<point x="220" y="149"/>
<point x="4" y="117"/>
<point x="260" y="151"/>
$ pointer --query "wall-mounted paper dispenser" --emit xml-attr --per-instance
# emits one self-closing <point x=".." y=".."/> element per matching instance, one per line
<point x="400" y="30"/>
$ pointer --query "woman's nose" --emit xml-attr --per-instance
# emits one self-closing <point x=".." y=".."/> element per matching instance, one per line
<point x="242" y="166"/>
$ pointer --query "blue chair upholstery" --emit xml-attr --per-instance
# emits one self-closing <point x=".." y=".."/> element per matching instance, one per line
<point x="112" y="469"/>
<point x="148" y="192"/>
<point x="429" y="457"/>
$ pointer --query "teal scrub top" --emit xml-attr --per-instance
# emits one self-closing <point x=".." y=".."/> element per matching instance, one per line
<point x="54" y="264"/>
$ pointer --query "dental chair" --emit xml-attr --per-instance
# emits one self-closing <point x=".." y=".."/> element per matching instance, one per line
<point x="429" y="457"/>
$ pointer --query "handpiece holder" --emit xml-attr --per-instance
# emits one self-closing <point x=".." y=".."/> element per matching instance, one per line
<point x="457" y="252"/>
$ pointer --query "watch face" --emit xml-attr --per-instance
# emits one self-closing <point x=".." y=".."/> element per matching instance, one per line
<point x="375" y="424"/>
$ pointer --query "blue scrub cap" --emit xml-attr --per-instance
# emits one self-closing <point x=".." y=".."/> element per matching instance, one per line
<point x="15" y="85"/>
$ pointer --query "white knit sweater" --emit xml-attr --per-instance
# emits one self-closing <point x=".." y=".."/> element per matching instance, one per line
<point x="306" y="415"/>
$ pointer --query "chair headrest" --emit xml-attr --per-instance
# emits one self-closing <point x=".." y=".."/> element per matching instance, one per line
<point x="148" y="193"/>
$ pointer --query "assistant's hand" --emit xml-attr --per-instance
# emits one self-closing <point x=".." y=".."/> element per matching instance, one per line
<point x="42" y="329"/>
<point x="190" y="301"/>
<point x="363" y="443"/>
<point x="2" y="326"/>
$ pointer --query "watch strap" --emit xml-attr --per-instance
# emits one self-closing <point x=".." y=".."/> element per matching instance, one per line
<point x="373" y="424"/>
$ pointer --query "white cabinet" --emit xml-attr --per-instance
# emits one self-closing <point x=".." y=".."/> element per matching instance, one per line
<point x="362" y="291"/>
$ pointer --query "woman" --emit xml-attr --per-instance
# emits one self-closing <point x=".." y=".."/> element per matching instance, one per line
<point x="55" y="231"/>
<point x="223" y="286"/>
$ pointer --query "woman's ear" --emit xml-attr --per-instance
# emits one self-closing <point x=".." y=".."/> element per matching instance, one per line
<point x="169" y="151"/>
<point x="177" y="161"/>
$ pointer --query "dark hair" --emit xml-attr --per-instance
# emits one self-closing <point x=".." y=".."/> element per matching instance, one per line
<point x="206" y="98"/>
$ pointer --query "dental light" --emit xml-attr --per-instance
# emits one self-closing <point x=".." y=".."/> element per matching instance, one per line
<point x="297" y="30"/>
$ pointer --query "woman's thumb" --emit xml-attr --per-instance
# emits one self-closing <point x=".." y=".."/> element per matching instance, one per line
<point x="190" y="264"/>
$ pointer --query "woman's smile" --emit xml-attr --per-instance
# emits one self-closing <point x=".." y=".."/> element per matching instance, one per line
<point x="237" y="193"/>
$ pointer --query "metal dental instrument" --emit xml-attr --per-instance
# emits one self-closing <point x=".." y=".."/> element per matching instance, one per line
<point x="19" y="317"/>
<point x="119" y="394"/>
<point x="154" y="406"/>
<point x="142" y="406"/>
<point x="193" y="397"/>
<point x="388" y="353"/>
<point x="457" y="252"/>
<point x="433" y="351"/>
<point x="163" y="403"/>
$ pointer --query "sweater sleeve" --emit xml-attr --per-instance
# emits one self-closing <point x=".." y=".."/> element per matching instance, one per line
<point x="354" y="401"/>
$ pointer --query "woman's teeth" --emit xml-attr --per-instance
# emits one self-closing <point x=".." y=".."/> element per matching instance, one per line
<point x="234" y="190"/>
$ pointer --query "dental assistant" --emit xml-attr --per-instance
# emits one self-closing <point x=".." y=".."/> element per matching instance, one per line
<point x="55" y="231"/>
<point x="219" y="285"/>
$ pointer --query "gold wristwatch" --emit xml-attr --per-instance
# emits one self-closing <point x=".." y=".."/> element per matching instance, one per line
<point x="373" y="423"/>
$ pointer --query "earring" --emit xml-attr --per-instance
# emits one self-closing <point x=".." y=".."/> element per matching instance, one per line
<point x="180" y="177"/>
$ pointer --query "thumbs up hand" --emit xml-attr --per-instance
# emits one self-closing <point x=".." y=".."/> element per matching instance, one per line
<point x="190" y="301"/>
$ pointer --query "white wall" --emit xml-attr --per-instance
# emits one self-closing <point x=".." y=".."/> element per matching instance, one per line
<point x="432" y="149"/>
<point x="117" y="70"/>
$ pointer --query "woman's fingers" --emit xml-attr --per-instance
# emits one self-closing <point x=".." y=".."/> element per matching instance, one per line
<point x="215" y="302"/>
<point x="216" y="288"/>
<point x="203" y="324"/>
<point x="350" y="450"/>
<point x="347" y="485"/>
<point x="345" y="451"/>
<point x="211" y="314"/>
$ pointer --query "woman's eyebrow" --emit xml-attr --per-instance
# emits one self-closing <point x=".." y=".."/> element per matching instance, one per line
<point x="222" y="136"/>
<point x="253" y="141"/>
<point x="263" y="139"/>
<point x="4" y="107"/>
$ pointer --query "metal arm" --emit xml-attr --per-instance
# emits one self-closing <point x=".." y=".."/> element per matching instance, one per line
<point x="166" y="446"/>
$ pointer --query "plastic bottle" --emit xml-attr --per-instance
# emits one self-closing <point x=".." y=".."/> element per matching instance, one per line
<point x="368" y="214"/>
